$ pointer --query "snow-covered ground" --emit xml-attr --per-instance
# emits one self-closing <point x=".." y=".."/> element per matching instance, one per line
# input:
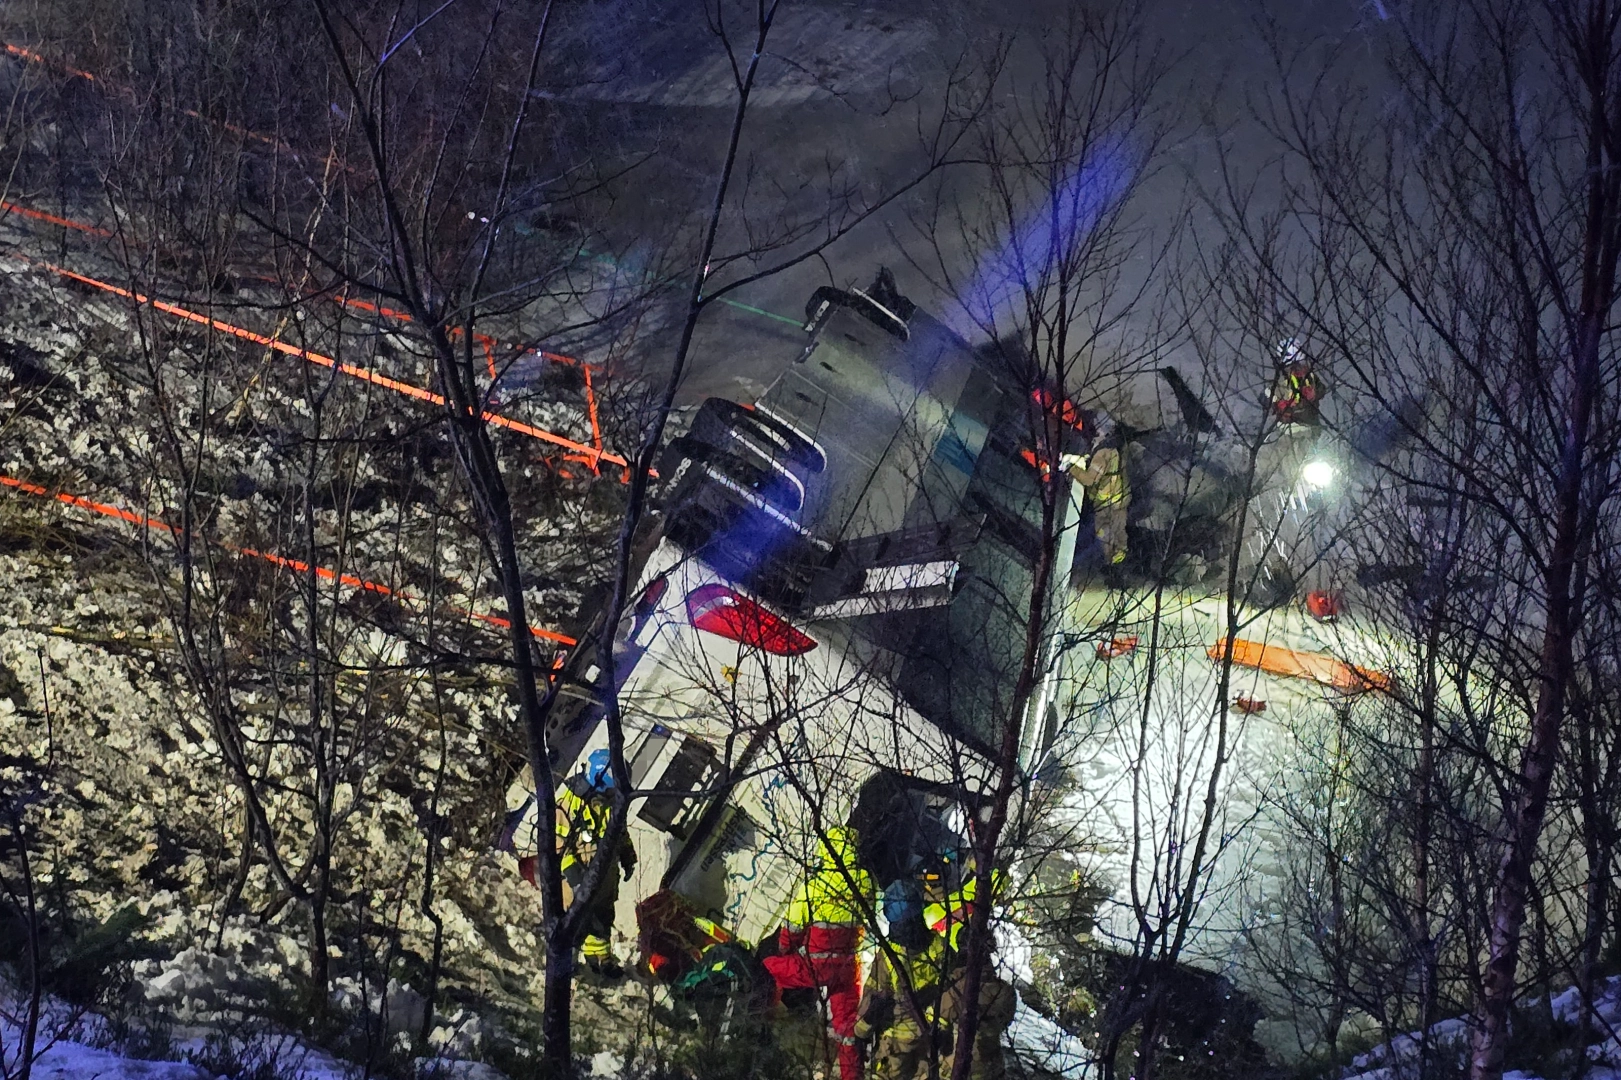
<point x="1449" y="1041"/>
<point x="76" y="1044"/>
<point x="99" y="692"/>
<point x="1035" y="1042"/>
<point x="1132" y="818"/>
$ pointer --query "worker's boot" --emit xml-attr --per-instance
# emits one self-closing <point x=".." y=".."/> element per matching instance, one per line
<point x="599" y="959"/>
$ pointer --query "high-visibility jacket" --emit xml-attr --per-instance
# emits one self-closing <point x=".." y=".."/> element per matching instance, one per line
<point x="1295" y="399"/>
<point x="1111" y="486"/>
<point x="830" y="904"/>
<point x="948" y="916"/>
<point x="1104" y="477"/>
<point x="901" y="992"/>
<point x="1302" y="386"/>
<point x="582" y="821"/>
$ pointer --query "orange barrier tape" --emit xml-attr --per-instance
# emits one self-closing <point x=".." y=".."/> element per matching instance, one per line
<point x="483" y="339"/>
<point x="85" y="504"/>
<point x="40" y="215"/>
<point x="375" y="309"/>
<point x="295" y="565"/>
<point x="1318" y="667"/>
<point x="593" y="455"/>
<point x="489" y="344"/>
<point x="489" y="355"/>
<point x="591" y="408"/>
<point x="300" y="567"/>
<point x="352" y="370"/>
<point x="35" y="58"/>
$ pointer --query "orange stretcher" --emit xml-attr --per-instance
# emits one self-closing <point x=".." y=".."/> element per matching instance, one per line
<point x="1318" y="667"/>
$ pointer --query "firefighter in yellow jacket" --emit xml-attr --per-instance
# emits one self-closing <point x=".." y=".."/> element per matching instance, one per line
<point x="949" y="915"/>
<point x="583" y="808"/>
<point x="1104" y="477"/>
<point x="997" y="1003"/>
<point x="898" y="1006"/>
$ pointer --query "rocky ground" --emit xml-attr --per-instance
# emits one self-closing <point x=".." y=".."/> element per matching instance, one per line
<point x="136" y="818"/>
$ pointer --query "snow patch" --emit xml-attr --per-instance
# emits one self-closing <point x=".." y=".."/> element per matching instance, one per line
<point x="66" y="1060"/>
<point x="1389" y="1060"/>
<point x="1039" y="1043"/>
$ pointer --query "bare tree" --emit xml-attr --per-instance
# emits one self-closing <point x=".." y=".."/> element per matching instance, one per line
<point x="1061" y="273"/>
<point x="1458" y="225"/>
<point x="22" y="788"/>
<point x="403" y="236"/>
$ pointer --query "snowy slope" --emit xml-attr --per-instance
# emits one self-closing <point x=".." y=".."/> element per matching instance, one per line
<point x="140" y="809"/>
<point x="1396" y="1059"/>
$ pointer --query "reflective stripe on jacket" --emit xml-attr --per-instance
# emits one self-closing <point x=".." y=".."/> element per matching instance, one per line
<point x="581" y="822"/>
<point x="901" y="993"/>
<point x="1111" y="485"/>
<point x="948" y="916"/>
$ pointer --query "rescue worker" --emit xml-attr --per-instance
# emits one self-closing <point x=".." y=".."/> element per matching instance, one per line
<point x="583" y="808"/>
<point x="997" y="1001"/>
<point x="1296" y="394"/>
<point x="1104" y="478"/>
<point x="948" y="916"/>
<point x="817" y="944"/>
<point x="898" y="1004"/>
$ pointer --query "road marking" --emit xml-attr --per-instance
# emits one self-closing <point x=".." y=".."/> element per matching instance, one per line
<point x="751" y="309"/>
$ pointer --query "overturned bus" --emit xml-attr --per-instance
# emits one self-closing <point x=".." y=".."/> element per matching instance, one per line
<point x="828" y="616"/>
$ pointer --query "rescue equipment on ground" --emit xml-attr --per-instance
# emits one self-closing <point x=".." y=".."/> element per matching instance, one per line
<point x="671" y="937"/>
<point x="1115" y="648"/>
<point x="1318" y="667"/>
<point x="1324" y="605"/>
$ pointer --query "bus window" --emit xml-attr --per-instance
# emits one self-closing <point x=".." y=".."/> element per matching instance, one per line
<point x="693" y="761"/>
<point x="647" y="751"/>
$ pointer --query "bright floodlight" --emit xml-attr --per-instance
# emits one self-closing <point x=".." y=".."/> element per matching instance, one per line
<point x="1318" y="473"/>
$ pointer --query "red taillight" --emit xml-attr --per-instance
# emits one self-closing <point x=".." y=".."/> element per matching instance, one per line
<point x="715" y="609"/>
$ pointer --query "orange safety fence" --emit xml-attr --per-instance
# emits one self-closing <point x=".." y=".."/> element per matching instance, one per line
<point x="82" y="503"/>
<point x="296" y="565"/>
<point x="35" y="58"/>
<point x="1319" y="667"/>
<point x="590" y="454"/>
<point x="489" y="345"/>
<point x="591" y="408"/>
<point x="486" y="341"/>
